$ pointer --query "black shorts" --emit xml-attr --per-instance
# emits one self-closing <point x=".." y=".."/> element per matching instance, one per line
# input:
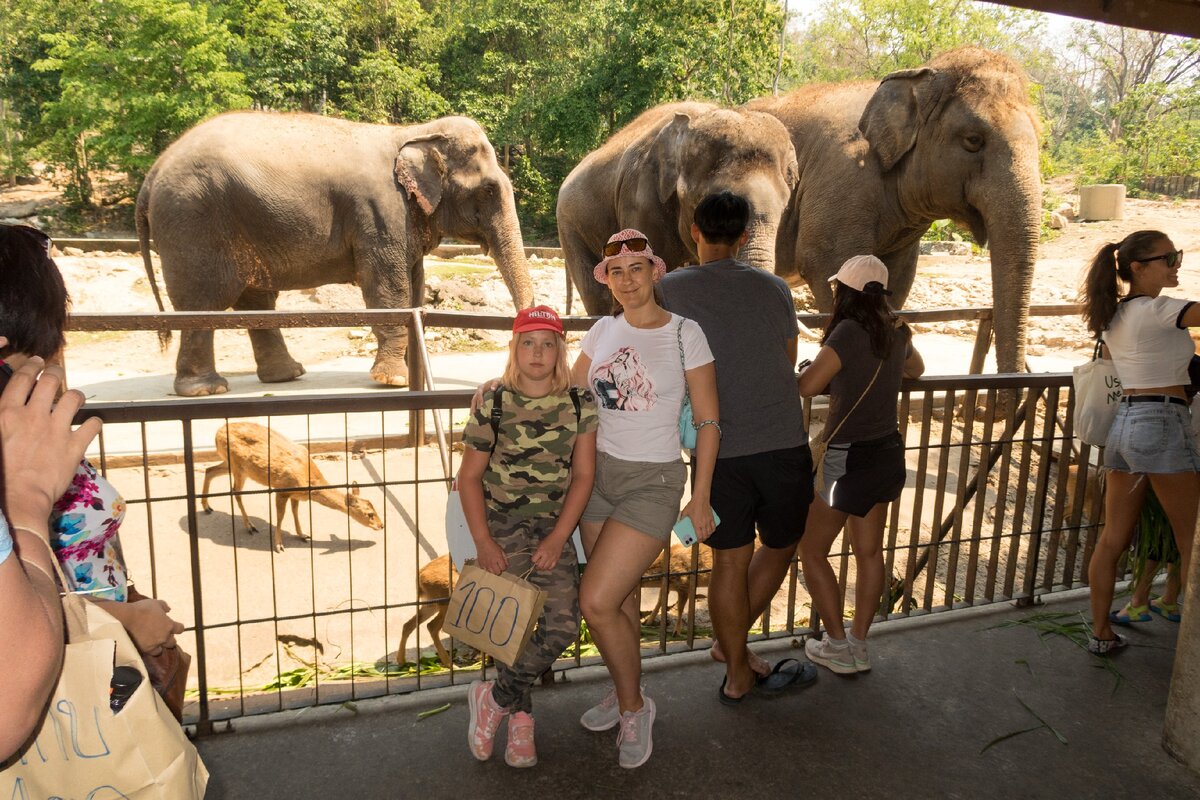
<point x="861" y="475"/>
<point x="770" y="491"/>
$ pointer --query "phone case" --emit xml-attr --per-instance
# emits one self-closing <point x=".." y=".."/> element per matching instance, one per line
<point x="686" y="532"/>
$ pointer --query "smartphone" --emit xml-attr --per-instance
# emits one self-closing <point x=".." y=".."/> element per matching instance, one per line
<point x="686" y="532"/>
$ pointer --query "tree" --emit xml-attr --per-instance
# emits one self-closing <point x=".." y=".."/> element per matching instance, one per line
<point x="133" y="76"/>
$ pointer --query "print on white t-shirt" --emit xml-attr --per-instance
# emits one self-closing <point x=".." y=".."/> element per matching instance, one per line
<point x="623" y="383"/>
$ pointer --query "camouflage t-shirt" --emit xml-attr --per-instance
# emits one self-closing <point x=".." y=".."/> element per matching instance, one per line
<point x="528" y="474"/>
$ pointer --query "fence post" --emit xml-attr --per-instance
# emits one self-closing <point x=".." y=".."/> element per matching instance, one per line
<point x="1181" y="735"/>
<point x="204" y="725"/>
<point x="416" y="379"/>
<point x="983" y="342"/>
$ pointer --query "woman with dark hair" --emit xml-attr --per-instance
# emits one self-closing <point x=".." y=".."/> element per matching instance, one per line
<point x="865" y="353"/>
<point x="1145" y="334"/>
<point x="85" y="519"/>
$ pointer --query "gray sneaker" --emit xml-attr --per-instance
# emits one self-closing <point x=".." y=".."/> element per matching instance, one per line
<point x="832" y="654"/>
<point x="605" y="714"/>
<point x="635" y="740"/>
<point x="862" y="661"/>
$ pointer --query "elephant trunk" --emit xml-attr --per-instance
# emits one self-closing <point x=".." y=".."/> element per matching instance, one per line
<point x="759" y="250"/>
<point x="508" y="251"/>
<point x="1014" y="233"/>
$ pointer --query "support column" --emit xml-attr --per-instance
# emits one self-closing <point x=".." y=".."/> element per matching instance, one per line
<point x="1181" y="735"/>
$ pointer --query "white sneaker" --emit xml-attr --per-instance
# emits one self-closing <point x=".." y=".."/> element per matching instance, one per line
<point x="858" y="648"/>
<point x="605" y="714"/>
<point x="832" y="654"/>
<point x="635" y="739"/>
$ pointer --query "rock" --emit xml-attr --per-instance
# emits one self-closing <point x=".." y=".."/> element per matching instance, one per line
<point x="72" y="251"/>
<point x="26" y="180"/>
<point x="945" y="248"/>
<point x="1058" y="222"/>
<point x="357" y="333"/>
<point x="1067" y="210"/>
<point x="20" y="210"/>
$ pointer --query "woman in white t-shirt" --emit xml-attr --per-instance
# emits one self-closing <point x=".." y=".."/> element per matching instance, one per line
<point x="1145" y="334"/>
<point x="636" y="362"/>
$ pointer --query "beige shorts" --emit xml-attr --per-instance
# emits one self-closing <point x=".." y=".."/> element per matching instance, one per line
<point x="643" y="495"/>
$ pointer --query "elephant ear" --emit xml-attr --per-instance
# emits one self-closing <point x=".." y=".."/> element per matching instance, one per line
<point x="421" y="171"/>
<point x="895" y="113"/>
<point x="668" y="153"/>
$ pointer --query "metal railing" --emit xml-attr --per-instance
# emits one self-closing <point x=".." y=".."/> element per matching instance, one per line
<point x="998" y="506"/>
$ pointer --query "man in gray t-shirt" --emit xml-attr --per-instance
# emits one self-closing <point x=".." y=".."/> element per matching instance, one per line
<point x="763" y="476"/>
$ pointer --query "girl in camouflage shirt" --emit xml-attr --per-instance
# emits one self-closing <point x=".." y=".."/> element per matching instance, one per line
<point x="526" y="477"/>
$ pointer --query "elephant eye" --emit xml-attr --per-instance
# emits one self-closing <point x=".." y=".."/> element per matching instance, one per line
<point x="973" y="142"/>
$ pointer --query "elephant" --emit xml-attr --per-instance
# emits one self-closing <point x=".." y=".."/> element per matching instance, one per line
<point x="651" y="175"/>
<point x="879" y="162"/>
<point x="247" y="204"/>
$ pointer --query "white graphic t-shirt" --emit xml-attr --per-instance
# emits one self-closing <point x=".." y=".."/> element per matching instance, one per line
<point x="639" y="385"/>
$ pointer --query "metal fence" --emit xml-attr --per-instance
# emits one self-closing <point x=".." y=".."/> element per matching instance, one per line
<point x="998" y="506"/>
<point x="991" y="512"/>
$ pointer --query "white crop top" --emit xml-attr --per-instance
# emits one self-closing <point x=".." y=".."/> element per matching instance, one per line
<point x="1148" y="344"/>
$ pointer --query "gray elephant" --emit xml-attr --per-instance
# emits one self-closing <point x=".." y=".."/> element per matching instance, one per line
<point x="247" y="204"/>
<point x="879" y="162"/>
<point x="652" y="173"/>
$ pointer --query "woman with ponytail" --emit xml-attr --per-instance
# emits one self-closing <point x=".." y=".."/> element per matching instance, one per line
<point x="1145" y="334"/>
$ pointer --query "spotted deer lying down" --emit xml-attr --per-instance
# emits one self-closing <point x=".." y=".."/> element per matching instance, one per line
<point x="247" y="450"/>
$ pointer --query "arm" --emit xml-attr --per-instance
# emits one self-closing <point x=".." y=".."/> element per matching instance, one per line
<point x="1191" y="317"/>
<point x="702" y="386"/>
<point x="793" y="350"/>
<point x="583" y="474"/>
<point x="486" y="386"/>
<point x="914" y="365"/>
<point x="40" y="455"/>
<point x="146" y="621"/>
<point x="488" y="554"/>
<point x="580" y="369"/>
<point x="817" y="375"/>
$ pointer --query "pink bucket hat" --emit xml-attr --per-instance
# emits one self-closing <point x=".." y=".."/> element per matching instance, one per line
<point x="637" y="245"/>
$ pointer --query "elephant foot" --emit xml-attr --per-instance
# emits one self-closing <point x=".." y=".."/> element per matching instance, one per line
<point x="392" y="373"/>
<point x="278" y="373"/>
<point x="200" y="385"/>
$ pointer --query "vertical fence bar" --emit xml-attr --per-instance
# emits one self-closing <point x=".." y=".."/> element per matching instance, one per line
<point x="203" y="723"/>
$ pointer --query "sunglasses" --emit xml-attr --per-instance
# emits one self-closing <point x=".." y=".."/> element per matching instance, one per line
<point x="1171" y="258"/>
<point x="632" y="245"/>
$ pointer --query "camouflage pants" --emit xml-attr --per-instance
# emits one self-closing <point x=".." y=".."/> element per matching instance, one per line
<point x="559" y="624"/>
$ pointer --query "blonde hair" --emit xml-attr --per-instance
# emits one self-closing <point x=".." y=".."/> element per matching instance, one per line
<point x="560" y="380"/>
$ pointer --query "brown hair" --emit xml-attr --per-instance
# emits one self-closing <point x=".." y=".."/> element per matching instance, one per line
<point x="1101" y="286"/>
<point x="33" y="299"/>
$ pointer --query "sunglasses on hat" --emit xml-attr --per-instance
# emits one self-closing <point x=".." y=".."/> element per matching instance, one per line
<point x="1171" y="258"/>
<point x="635" y="245"/>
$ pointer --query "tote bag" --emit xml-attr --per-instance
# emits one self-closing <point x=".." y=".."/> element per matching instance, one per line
<point x="493" y="613"/>
<point x="1097" y="395"/>
<point x="83" y="749"/>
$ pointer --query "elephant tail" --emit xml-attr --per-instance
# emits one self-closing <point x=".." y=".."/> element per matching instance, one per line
<point x="570" y="286"/>
<point x="142" y="221"/>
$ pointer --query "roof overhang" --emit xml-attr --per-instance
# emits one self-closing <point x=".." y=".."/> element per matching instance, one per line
<point x="1181" y="17"/>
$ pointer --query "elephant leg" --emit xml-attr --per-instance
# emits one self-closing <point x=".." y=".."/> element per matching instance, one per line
<point x="388" y="285"/>
<point x="580" y="261"/>
<point x="902" y="269"/>
<point x="275" y="364"/>
<point x="195" y="366"/>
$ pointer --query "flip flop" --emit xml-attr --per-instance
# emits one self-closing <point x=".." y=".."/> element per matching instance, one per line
<point x="788" y="673"/>
<point x="726" y="699"/>
<point x="1130" y="614"/>
<point x="1169" y="611"/>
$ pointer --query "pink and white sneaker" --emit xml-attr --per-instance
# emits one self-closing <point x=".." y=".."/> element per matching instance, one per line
<point x="485" y="718"/>
<point x="520" y="750"/>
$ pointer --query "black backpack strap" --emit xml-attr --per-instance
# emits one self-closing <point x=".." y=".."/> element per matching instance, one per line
<point x="575" y="401"/>
<point x="497" y="407"/>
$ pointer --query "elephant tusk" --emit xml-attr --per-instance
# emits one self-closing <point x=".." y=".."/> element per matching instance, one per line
<point x="808" y="333"/>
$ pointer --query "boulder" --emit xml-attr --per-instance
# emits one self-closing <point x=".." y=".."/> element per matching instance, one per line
<point x="1057" y="221"/>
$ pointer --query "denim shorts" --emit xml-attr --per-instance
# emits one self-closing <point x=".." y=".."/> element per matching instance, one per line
<point x="1152" y="438"/>
<point x="644" y="495"/>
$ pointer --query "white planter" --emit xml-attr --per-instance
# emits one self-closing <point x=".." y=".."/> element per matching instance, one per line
<point x="1102" y="201"/>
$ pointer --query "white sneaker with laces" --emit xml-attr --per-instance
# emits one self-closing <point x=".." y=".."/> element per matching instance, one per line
<point x="862" y="660"/>
<point x="831" y="654"/>
<point x="635" y="739"/>
<point x="605" y="714"/>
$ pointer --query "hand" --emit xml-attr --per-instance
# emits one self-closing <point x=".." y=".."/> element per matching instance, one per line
<point x="548" y="552"/>
<point x="41" y="451"/>
<point x="150" y="627"/>
<point x="702" y="519"/>
<point x="489" y="556"/>
<point x="486" y="386"/>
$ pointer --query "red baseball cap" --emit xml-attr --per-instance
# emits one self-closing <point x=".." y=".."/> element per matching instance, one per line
<point x="538" y="318"/>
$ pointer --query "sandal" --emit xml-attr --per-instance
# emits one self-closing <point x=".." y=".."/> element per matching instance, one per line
<point x="1130" y="614"/>
<point x="788" y="673"/>
<point x="1102" y="647"/>
<point x="1168" y="611"/>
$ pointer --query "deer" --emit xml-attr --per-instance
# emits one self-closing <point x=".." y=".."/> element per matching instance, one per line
<point x="435" y="581"/>
<point x="679" y="579"/>
<point x="250" y="450"/>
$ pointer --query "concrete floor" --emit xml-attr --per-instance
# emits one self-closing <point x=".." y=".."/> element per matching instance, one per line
<point x="941" y="689"/>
